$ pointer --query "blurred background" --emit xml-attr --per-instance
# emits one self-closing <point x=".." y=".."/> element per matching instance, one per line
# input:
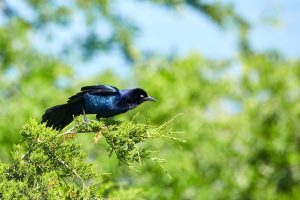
<point x="231" y="67"/>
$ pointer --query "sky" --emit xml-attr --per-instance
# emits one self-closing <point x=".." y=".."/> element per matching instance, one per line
<point x="276" y="26"/>
<point x="187" y="31"/>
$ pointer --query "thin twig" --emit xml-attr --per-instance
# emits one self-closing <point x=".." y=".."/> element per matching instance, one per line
<point x="26" y="155"/>
<point x="137" y="114"/>
<point x="138" y="153"/>
<point x="63" y="180"/>
<point x="73" y="170"/>
<point x="70" y="131"/>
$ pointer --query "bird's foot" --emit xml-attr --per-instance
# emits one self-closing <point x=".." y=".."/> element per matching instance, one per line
<point x="86" y="120"/>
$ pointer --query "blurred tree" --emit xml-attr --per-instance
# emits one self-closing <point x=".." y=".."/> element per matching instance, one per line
<point x="26" y="80"/>
<point x="28" y="77"/>
<point x="48" y="16"/>
<point x="240" y="120"/>
<point x="240" y="117"/>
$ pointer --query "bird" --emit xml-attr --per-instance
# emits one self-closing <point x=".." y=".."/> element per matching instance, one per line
<point x="103" y="100"/>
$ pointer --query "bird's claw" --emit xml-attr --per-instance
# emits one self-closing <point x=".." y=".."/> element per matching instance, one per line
<point x="86" y="120"/>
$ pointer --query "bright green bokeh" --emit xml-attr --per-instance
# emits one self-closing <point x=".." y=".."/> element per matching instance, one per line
<point x="240" y="117"/>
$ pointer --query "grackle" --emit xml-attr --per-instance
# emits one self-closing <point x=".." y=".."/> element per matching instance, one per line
<point x="103" y="100"/>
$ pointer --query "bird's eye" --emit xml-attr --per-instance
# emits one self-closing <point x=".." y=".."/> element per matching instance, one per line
<point x="142" y="96"/>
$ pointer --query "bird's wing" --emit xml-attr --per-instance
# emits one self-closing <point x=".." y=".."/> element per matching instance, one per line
<point x="95" y="89"/>
<point x="102" y="90"/>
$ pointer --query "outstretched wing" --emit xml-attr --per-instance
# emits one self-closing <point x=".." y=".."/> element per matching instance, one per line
<point x="102" y="90"/>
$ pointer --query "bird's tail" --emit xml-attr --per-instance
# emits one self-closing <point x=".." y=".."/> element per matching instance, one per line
<point x="60" y="116"/>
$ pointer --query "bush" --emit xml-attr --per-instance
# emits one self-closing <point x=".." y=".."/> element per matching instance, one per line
<point x="51" y="165"/>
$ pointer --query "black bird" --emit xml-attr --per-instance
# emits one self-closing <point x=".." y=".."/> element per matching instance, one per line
<point x="103" y="100"/>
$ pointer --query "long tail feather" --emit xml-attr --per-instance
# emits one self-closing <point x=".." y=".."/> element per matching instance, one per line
<point x="60" y="116"/>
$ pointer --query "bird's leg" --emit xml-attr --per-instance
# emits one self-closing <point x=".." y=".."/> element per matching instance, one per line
<point x="85" y="118"/>
<point x="86" y="121"/>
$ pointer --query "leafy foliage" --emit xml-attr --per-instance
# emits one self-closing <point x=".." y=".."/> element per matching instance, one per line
<point x="240" y="123"/>
<point x="240" y="116"/>
<point x="28" y="77"/>
<point x="240" y="126"/>
<point x="125" y="139"/>
<point x="47" y="165"/>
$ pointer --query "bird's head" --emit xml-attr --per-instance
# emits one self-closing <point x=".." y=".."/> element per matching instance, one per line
<point x="137" y="96"/>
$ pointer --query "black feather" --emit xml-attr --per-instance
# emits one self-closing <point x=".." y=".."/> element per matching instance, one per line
<point x="103" y="100"/>
<point x="103" y="90"/>
<point x="60" y="116"/>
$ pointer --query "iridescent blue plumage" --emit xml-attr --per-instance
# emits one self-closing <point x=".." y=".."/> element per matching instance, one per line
<point x="104" y="106"/>
<point x="103" y="100"/>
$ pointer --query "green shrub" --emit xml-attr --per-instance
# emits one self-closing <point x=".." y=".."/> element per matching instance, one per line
<point x="51" y="165"/>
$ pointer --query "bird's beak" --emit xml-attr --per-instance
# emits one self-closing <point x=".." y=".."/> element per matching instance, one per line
<point x="150" y="99"/>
